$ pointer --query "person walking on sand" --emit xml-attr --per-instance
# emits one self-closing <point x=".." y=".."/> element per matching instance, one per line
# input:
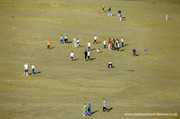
<point x="65" y="38"/>
<point x="118" y="47"/>
<point x="122" y="42"/>
<point x="104" y="105"/>
<point x="89" y="55"/>
<point x="103" y="8"/>
<point x="109" y="12"/>
<point x="85" y="55"/>
<point x="61" y="39"/>
<point x="95" y="38"/>
<point x="48" y="44"/>
<point x="78" y="42"/>
<point x="72" y="55"/>
<point x="33" y="68"/>
<point x="104" y="42"/>
<point x="89" y="45"/>
<point x="120" y="17"/>
<point x="166" y="16"/>
<point x="119" y="12"/>
<point x="85" y="110"/>
<point x="26" y="67"/>
<point x="109" y="44"/>
<point x="134" y="51"/>
<point x="89" y="109"/>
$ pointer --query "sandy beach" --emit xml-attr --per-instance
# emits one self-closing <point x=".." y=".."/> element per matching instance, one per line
<point x="147" y="83"/>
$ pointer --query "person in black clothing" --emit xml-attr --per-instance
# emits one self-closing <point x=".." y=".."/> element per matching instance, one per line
<point x="85" y="54"/>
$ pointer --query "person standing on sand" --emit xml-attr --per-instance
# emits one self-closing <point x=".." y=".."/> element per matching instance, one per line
<point x="61" y="39"/>
<point x="89" y="109"/>
<point x="122" y="42"/>
<point x="103" y="8"/>
<point x="26" y="67"/>
<point x="65" y="38"/>
<point x="109" y="44"/>
<point x="119" y="12"/>
<point x="166" y="16"/>
<point x="109" y="12"/>
<point x="33" y="68"/>
<point x="118" y="46"/>
<point x="48" y="44"/>
<point x="89" y="55"/>
<point x="72" y="55"/>
<point x="104" y="42"/>
<point x="77" y="42"/>
<point x="95" y="38"/>
<point x="89" y="45"/>
<point x="85" y="110"/>
<point x="113" y="43"/>
<point x="120" y="17"/>
<point x="85" y="55"/>
<point x="104" y="105"/>
<point x="134" y="52"/>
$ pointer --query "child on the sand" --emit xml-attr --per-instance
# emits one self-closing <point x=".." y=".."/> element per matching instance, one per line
<point x="89" y="55"/>
<point x="61" y="41"/>
<point x="166" y="16"/>
<point x="89" y="45"/>
<point x="48" y="44"/>
<point x="98" y="50"/>
<point x="110" y="65"/>
<point x="95" y="38"/>
<point x="104" y="105"/>
<point x="104" y="42"/>
<point x="109" y="44"/>
<point x="89" y="109"/>
<point x="72" y="55"/>
<point x="26" y="67"/>
<point x="33" y="68"/>
<point x="85" y="110"/>
<point x="103" y="8"/>
<point x="109" y="12"/>
<point x="134" y="51"/>
<point x="85" y="54"/>
<point x="65" y="38"/>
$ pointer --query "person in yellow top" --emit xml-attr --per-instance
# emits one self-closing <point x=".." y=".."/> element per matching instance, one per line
<point x="48" y="45"/>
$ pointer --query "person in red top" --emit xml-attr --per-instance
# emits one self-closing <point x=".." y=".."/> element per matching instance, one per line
<point x="109" y="44"/>
<point x="103" y="8"/>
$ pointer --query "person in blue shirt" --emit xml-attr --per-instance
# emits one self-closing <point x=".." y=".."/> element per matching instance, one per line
<point x="109" y="12"/>
<point x="89" y="109"/>
<point x="134" y="51"/>
<point x="61" y="39"/>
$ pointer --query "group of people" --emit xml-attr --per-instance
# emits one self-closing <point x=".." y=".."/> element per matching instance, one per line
<point x="26" y="68"/>
<point x="114" y="44"/>
<point x="87" y="109"/>
<point x="110" y="14"/>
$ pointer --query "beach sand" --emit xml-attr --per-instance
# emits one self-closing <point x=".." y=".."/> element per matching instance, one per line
<point x="147" y="83"/>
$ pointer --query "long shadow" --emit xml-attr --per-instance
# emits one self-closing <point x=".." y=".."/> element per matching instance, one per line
<point x="81" y="46"/>
<point x="52" y="47"/>
<point x="75" y="59"/>
<point x="94" y="112"/>
<point x="69" y="41"/>
<point x="35" y="73"/>
<point x="137" y="54"/>
<point x="98" y="42"/>
<point x="122" y="50"/>
<point x="113" y="14"/>
<point x="93" y="58"/>
<point x="110" y="109"/>
<point x="93" y="49"/>
<point x="125" y="44"/>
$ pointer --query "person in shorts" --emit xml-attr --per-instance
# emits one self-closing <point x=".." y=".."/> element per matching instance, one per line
<point x="26" y="67"/>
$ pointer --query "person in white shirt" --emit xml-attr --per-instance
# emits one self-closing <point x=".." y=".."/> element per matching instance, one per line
<point x="95" y="38"/>
<point x="65" y="38"/>
<point x="72" y="55"/>
<point x="26" y="67"/>
<point x="89" y="55"/>
<point x="89" y="45"/>
<point x="122" y="42"/>
<point x="77" y="42"/>
<point x="33" y="68"/>
<point x="98" y="50"/>
<point x="104" y="42"/>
